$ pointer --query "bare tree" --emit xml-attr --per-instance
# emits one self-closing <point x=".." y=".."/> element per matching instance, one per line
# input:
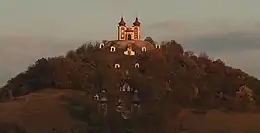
<point x="204" y="55"/>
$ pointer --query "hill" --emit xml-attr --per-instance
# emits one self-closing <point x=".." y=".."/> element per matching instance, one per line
<point x="127" y="84"/>
<point x="44" y="111"/>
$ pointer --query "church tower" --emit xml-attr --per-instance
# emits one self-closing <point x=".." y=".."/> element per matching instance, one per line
<point x="129" y="33"/>
<point x="136" y="26"/>
<point x="121" y="29"/>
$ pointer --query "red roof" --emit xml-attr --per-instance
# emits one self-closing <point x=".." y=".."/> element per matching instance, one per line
<point x="122" y="22"/>
<point x="136" y="23"/>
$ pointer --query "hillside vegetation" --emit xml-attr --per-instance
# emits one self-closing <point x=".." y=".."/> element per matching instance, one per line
<point x="167" y="79"/>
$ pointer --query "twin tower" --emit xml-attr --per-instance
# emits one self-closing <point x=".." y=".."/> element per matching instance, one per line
<point x="129" y="33"/>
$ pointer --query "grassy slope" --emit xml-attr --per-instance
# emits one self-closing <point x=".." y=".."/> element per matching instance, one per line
<point x="41" y="111"/>
<point x="45" y="109"/>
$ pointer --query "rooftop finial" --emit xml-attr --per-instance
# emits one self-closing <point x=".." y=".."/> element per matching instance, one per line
<point x="136" y="23"/>
<point x="122" y="22"/>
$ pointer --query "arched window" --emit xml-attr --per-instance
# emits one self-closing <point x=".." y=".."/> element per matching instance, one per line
<point x="157" y="46"/>
<point x="112" y="49"/>
<point x="137" y="65"/>
<point x="144" y="49"/>
<point x="117" y="66"/>
<point x="101" y="45"/>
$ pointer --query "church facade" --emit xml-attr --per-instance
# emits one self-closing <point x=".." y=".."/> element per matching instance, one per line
<point x="129" y="33"/>
<point x="128" y="41"/>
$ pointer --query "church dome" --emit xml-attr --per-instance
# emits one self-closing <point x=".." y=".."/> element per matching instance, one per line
<point x="136" y="23"/>
<point x="122" y="22"/>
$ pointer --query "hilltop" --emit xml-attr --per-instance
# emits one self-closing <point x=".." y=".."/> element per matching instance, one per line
<point x="131" y="85"/>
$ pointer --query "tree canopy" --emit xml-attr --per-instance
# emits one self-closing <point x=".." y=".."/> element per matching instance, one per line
<point x="165" y="80"/>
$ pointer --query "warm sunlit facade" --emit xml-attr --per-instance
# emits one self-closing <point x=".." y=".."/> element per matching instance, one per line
<point x="129" y="33"/>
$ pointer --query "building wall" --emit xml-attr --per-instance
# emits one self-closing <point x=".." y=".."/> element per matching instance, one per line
<point x="136" y="32"/>
<point x="123" y="35"/>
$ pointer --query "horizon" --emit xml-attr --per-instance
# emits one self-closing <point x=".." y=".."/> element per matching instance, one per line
<point x="229" y="30"/>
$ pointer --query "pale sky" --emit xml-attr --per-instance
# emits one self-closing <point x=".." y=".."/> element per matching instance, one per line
<point x="89" y="18"/>
<point x="30" y="29"/>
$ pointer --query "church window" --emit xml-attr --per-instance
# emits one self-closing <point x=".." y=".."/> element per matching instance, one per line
<point x="117" y="66"/>
<point x="112" y="49"/>
<point x="144" y="49"/>
<point x="101" y="45"/>
<point x="137" y="65"/>
<point x="157" y="46"/>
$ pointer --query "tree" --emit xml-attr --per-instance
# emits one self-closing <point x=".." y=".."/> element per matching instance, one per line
<point x="150" y="40"/>
<point x="189" y="53"/>
<point x="166" y="81"/>
<point x="204" y="55"/>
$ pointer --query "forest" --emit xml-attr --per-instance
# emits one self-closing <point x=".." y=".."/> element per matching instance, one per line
<point x="166" y="80"/>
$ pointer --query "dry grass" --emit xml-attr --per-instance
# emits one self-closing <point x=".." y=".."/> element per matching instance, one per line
<point x="41" y="111"/>
<point x="215" y="121"/>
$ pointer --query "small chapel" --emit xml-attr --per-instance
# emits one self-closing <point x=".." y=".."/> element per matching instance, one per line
<point x="129" y="33"/>
<point x="128" y="41"/>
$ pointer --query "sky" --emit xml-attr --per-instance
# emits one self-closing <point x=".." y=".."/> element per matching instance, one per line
<point x="31" y="29"/>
